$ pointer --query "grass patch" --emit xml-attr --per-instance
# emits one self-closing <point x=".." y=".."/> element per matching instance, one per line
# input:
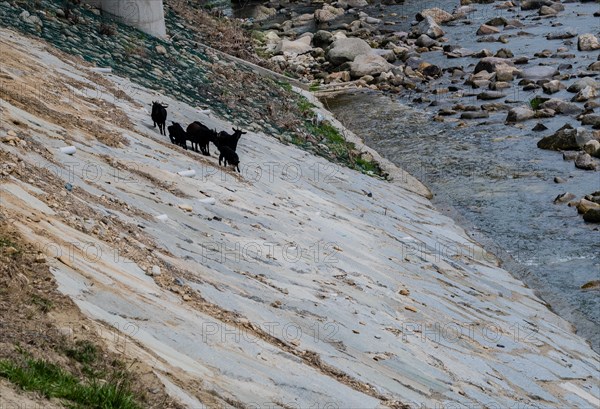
<point x="315" y="86"/>
<point x="285" y="85"/>
<point x="83" y="352"/>
<point x="305" y="106"/>
<point x="536" y="102"/>
<point x="4" y="242"/>
<point x="44" y="304"/>
<point x="54" y="382"/>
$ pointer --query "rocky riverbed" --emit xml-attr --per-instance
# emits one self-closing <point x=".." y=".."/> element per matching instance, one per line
<point x="534" y="60"/>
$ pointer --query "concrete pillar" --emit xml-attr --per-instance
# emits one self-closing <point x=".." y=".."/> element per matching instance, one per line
<point x="146" y="15"/>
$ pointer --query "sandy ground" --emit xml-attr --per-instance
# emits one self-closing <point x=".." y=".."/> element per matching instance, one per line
<point x="294" y="289"/>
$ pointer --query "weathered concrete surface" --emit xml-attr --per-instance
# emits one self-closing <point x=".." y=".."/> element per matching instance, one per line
<point x="295" y="289"/>
<point x="146" y="15"/>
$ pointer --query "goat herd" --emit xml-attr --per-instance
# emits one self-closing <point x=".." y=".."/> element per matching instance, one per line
<point x="200" y="136"/>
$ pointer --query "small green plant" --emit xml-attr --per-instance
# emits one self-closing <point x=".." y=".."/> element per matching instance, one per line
<point x="4" y="242"/>
<point x="305" y="106"/>
<point x="315" y="86"/>
<point x="54" y="382"/>
<point x="84" y="352"/>
<point x="44" y="304"/>
<point x="285" y="85"/>
<point x="536" y="102"/>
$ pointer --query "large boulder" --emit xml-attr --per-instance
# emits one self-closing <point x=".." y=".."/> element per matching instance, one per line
<point x="347" y="49"/>
<point x="581" y="83"/>
<point x="587" y="42"/>
<point x="439" y="16"/>
<point x="585" y="94"/>
<point x="519" y="114"/>
<point x="534" y="4"/>
<point x="300" y="46"/>
<point x="487" y="30"/>
<point x="263" y="13"/>
<point x="592" y="216"/>
<point x="369" y="64"/>
<point x="493" y="64"/>
<point x="328" y="13"/>
<point x="561" y="107"/>
<point x="561" y="34"/>
<point x="322" y="39"/>
<point x="592" y="147"/>
<point x="539" y="72"/>
<point x="352" y="3"/>
<point x="584" y="161"/>
<point x="565" y="139"/>
<point x="429" y="27"/>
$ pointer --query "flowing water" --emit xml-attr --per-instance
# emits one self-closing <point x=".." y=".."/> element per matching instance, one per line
<point x="491" y="177"/>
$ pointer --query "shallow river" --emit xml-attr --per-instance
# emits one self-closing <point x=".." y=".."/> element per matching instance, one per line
<point x="491" y="177"/>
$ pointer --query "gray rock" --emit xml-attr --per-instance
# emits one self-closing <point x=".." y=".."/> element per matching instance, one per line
<point x="592" y="147"/>
<point x="504" y="53"/>
<point x="588" y="42"/>
<point x="328" y="13"/>
<point x="558" y="179"/>
<point x="581" y="83"/>
<point x="552" y="87"/>
<point x="592" y="216"/>
<point x="563" y="139"/>
<point x="534" y="4"/>
<point x="370" y="64"/>
<point x="300" y="46"/>
<point x="562" y="35"/>
<point x="439" y="16"/>
<point x="322" y="39"/>
<point x="564" y="197"/>
<point x="539" y="127"/>
<point x="585" y="94"/>
<point x="489" y="95"/>
<point x="538" y="72"/>
<point x="570" y="155"/>
<point x="474" y="115"/>
<point x="519" y="114"/>
<point x="496" y="21"/>
<point x="429" y="27"/>
<point x="493" y="64"/>
<point x="263" y="12"/>
<point x="591" y="119"/>
<point x="566" y="138"/>
<point x="425" y="41"/>
<point x="347" y="49"/>
<point x="562" y="107"/>
<point x="355" y="4"/>
<point x="584" y="161"/>
<point x="547" y="11"/>
<point x="487" y="30"/>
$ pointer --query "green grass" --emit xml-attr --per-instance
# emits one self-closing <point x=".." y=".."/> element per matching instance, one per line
<point x="315" y="86"/>
<point x="6" y="242"/>
<point x="44" y="304"/>
<point x="285" y="85"/>
<point x="54" y="382"/>
<point x="304" y="105"/>
<point x="84" y="352"/>
<point x="367" y="166"/>
<point x="536" y="102"/>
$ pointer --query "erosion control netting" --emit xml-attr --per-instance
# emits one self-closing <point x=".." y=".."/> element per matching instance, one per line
<point x="187" y="71"/>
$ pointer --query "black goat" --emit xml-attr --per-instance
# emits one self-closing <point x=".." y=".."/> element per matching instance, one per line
<point x="177" y="135"/>
<point x="229" y="140"/>
<point x="229" y="156"/>
<point x="159" y="116"/>
<point x="200" y="135"/>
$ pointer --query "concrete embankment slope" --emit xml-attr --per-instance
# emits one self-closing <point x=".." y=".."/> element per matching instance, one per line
<point x="286" y="286"/>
